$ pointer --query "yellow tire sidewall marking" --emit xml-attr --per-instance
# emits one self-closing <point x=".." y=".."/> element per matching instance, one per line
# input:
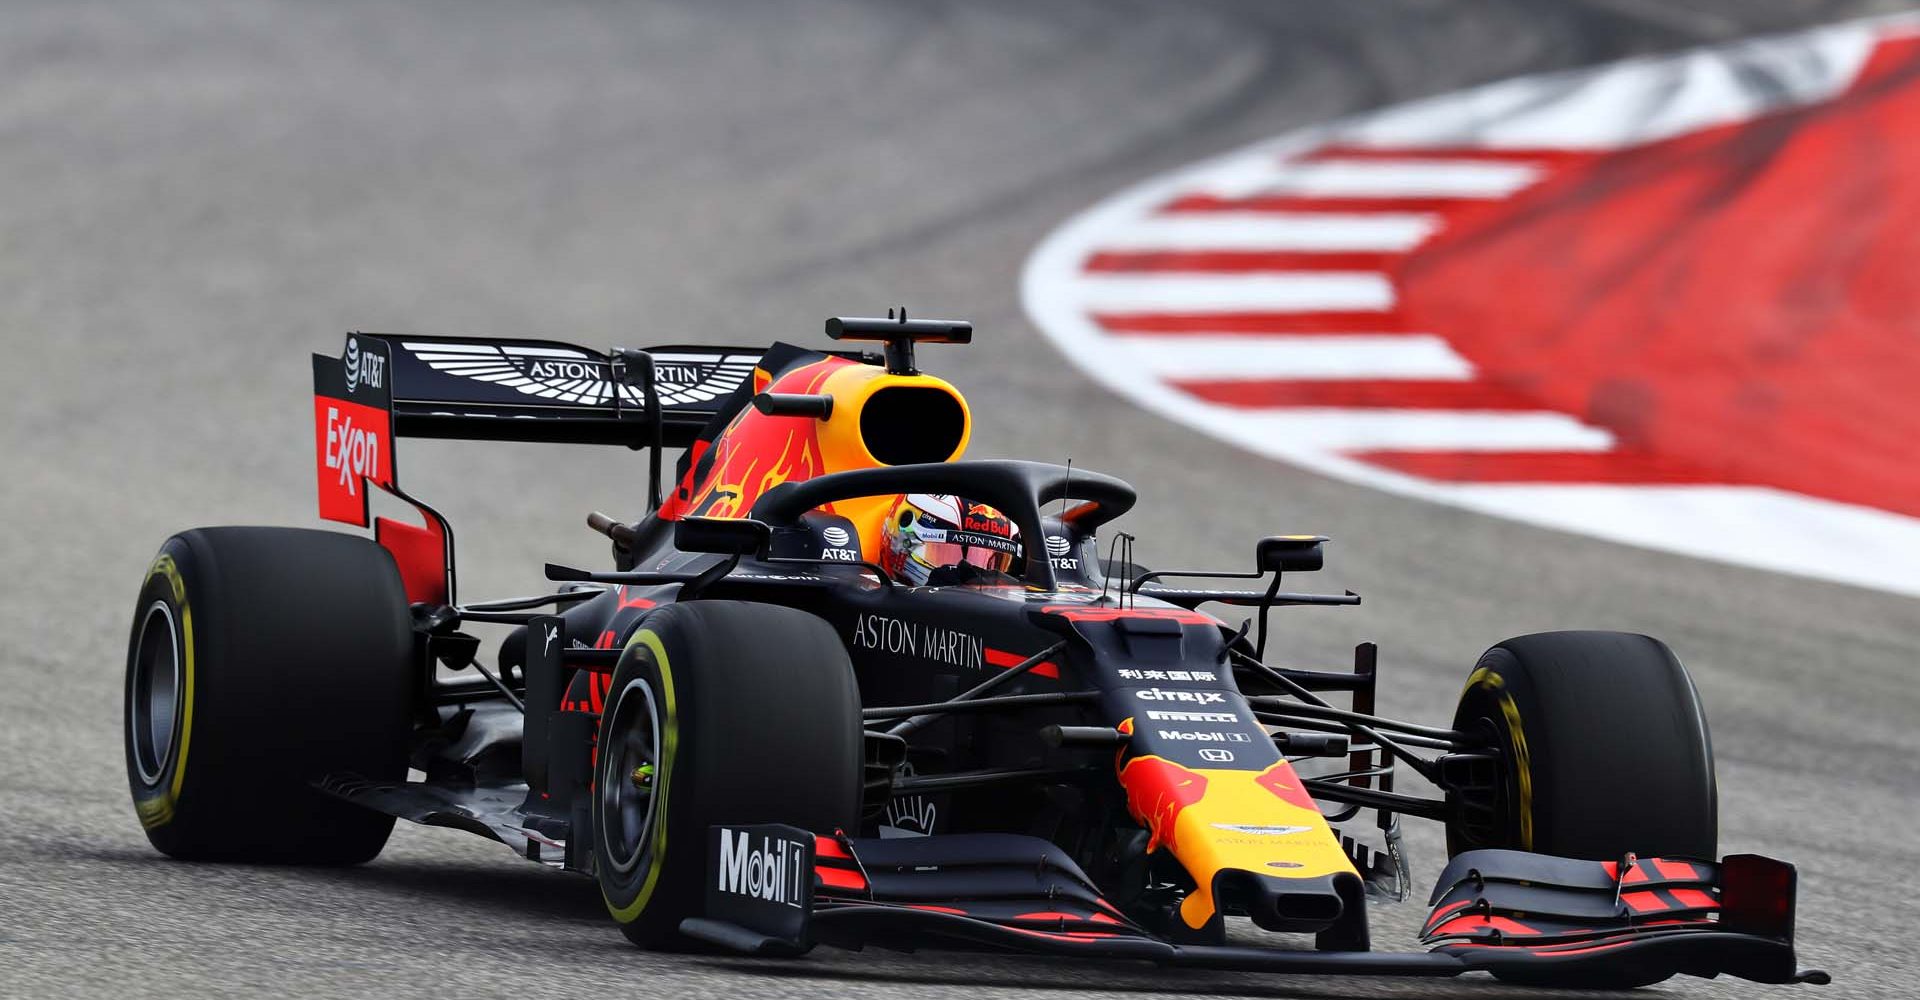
<point x="1496" y="685"/>
<point x="158" y="811"/>
<point x="663" y="774"/>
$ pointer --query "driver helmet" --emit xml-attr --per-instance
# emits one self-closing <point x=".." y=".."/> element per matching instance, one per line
<point x="929" y="532"/>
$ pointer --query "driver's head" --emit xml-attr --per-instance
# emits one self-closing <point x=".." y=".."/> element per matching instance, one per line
<point x="926" y="532"/>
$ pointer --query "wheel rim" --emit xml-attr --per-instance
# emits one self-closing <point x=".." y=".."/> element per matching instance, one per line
<point x="154" y="701"/>
<point x="1484" y="818"/>
<point x="627" y="803"/>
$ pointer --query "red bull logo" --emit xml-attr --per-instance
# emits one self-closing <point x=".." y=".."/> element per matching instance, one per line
<point x="1281" y="780"/>
<point x="1157" y="790"/>
<point x="986" y="521"/>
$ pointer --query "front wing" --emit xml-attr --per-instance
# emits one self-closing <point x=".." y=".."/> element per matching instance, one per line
<point x="776" y="890"/>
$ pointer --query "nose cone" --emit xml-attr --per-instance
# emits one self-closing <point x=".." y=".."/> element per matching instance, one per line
<point x="1290" y="904"/>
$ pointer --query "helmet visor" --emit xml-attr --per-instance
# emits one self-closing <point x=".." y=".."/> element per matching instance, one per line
<point x="954" y="553"/>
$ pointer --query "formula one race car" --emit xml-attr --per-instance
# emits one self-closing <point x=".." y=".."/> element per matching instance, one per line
<point x="842" y="687"/>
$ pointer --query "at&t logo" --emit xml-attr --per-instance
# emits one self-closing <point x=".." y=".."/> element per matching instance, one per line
<point x="837" y="548"/>
<point x="362" y="367"/>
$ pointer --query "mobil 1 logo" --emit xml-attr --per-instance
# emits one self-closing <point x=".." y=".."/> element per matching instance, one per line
<point x="761" y="878"/>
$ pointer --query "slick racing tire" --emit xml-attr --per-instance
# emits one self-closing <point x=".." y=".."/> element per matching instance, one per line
<point x="1603" y="747"/>
<point x="720" y="712"/>
<point x="260" y="661"/>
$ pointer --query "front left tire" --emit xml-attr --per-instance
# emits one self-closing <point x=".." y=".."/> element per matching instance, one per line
<point x="720" y="712"/>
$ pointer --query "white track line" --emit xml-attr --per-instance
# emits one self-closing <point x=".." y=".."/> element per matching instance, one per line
<point x="1379" y="179"/>
<point x="1771" y="529"/>
<point x="1302" y="356"/>
<point x="1284" y="231"/>
<point x="1295" y="292"/>
<point x="1423" y="430"/>
<point x="1634" y="101"/>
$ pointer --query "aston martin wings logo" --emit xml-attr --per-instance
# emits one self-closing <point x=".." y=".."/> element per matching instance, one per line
<point x="567" y="375"/>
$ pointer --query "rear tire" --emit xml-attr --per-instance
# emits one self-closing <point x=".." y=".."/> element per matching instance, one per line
<point x="261" y="660"/>
<point x="741" y="713"/>
<point x="1605" y="749"/>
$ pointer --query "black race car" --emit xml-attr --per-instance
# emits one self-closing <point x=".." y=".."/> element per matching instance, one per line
<point x="842" y="687"/>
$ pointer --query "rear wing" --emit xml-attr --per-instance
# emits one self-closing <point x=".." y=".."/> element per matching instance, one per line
<point x="385" y="386"/>
<point x="543" y="390"/>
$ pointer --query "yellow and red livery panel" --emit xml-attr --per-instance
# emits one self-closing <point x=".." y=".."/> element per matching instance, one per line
<point x="756" y="451"/>
<point x="1217" y="819"/>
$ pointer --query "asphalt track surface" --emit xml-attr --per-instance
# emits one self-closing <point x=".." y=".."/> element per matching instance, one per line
<point x="198" y="195"/>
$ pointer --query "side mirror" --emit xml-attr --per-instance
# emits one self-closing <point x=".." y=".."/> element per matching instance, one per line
<point x="733" y="536"/>
<point x="1290" y="553"/>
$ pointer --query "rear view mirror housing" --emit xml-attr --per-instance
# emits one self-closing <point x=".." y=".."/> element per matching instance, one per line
<point x="733" y="536"/>
<point x="1290" y="553"/>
